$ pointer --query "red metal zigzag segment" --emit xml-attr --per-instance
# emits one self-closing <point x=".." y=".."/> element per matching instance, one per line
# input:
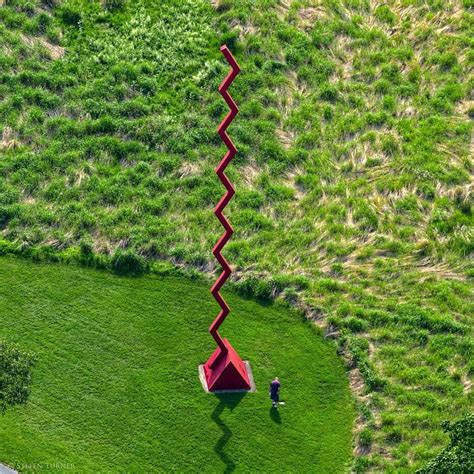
<point x="221" y="130"/>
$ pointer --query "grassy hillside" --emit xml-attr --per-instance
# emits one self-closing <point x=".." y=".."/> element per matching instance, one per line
<point x="116" y="388"/>
<point x="354" y="177"/>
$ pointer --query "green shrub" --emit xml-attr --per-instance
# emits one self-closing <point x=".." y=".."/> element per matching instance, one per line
<point x="15" y="375"/>
<point x="458" y="456"/>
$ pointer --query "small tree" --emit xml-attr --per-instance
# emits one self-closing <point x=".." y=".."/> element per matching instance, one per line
<point x="458" y="456"/>
<point x="15" y="375"/>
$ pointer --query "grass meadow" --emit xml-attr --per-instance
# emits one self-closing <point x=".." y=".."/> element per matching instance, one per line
<point x="354" y="173"/>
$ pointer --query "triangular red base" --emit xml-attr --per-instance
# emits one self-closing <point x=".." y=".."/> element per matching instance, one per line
<point x="225" y="370"/>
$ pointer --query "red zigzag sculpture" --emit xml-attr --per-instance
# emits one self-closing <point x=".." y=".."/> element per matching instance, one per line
<point x="225" y="370"/>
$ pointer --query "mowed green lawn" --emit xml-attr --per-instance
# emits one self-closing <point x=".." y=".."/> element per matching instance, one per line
<point x="116" y="387"/>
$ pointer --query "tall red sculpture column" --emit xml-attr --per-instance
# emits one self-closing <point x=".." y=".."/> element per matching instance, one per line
<point x="225" y="370"/>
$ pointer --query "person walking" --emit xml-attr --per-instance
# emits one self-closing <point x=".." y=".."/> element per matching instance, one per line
<point x="275" y="392"/>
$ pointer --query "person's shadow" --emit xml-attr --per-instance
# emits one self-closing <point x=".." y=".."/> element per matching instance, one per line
<point x="275" y="415"/>
<point x="230" y="401"/>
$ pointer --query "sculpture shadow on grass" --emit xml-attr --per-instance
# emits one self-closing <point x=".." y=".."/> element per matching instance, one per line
<point x="229" y="401"/>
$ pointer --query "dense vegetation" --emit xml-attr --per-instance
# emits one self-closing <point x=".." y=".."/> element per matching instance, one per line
<point x="354" y="177"/>
<point x="458" y="456"/>
<point x="116" y="388"/>
<point x="15" y="375"/>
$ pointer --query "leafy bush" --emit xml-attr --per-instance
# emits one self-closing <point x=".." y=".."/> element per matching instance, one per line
<point x="15" y="375"/>
<point x="458" y="456"/>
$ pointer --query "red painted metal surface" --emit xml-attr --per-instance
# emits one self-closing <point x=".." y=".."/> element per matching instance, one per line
<point x="225" y="370"/>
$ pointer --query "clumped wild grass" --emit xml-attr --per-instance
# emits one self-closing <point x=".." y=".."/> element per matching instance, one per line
<point x="354" y="176"/>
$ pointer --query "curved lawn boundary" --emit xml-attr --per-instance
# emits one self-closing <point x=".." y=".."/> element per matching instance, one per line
<point x="116" y="386"/>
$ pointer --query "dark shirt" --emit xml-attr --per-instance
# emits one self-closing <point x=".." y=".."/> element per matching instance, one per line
<point x="274" y="387"/>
